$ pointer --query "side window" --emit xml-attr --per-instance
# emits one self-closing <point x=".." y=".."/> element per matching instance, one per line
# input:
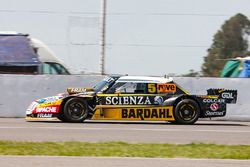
<point x="53" y="68"/>
<point x="114" y="88"/>
<point x="141" y="88"/>
<point x="129" y="88"/>
<point x="61" y="69"/>
<point x="48" y="69"/>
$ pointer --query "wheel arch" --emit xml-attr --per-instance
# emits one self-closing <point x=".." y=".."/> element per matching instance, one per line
<point x="173" y="101"/>
<point x="69" y="97"/>
<point x="188" y="115"/>
<point x="63" y="103"/>
<point x="61" y="109"/>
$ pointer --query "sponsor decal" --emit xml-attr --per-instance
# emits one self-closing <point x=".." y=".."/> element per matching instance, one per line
<point x="158" y="100"/>
<point x="128" y="100"/>
<point x="50" y="109"/>
<point x="41" y="101"/>
<point x="213" y="100"/>
<point x="214" y="107"/>
<point x="76" y="90"/>
<point x="216" y="113"/>
<point x="48" y="99"/>
<point x="146" y="113"/>
<point x="53" y="103"/>
<point x="32" y="106"/>
<point x="44" y="115"/>
<point x="161" y="88"/>
<point x="165" y="88"/>
<point x="227" y="95"/>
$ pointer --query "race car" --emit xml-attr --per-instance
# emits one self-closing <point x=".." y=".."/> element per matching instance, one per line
<point x="133" y="98"/>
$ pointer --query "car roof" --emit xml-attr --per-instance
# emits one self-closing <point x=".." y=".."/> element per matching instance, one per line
<point x="144" y="79"/>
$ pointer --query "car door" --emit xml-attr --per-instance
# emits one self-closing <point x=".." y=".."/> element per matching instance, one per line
<point x="132" y="101"/>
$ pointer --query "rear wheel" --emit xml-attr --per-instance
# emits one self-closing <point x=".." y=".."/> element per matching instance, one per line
<point x="75" y="110"/>
<point x="187" y="111"/>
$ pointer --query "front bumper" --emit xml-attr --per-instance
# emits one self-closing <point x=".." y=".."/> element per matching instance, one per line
<point x="30" y="119"/>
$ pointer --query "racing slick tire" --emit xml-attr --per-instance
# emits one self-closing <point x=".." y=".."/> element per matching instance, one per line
<point x="61" y="117"/>
<point x="75" y="110"/>
<point x="187" y="111"/>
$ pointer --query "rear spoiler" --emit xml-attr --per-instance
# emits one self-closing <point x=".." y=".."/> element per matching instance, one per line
<point x="230" y="96"/>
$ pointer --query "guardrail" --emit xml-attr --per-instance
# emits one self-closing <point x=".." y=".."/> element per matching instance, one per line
<point x="18" y="91"/>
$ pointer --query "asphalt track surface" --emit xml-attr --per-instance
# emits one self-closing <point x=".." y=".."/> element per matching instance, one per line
<point x="136" y="132"/>
<point x="146" y="132"/>
<point x="46" y="161"/>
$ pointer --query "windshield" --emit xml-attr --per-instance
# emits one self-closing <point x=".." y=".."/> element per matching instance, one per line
<point x="104" y="84"/>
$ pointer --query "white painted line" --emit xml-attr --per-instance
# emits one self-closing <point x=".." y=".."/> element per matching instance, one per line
<point x="128" y="158"/>
<point x="133" y="129"/>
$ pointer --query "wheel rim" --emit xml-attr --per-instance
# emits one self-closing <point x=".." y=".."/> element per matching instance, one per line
<point x="76" y="110"/>
<point x="187" y="112"/>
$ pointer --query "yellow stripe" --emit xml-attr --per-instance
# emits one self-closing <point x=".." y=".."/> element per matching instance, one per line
<point x="117" y="113"/>
<point x="127" y="106"/>
<point x="209" y="97"/>
<point x="106" y="95"/>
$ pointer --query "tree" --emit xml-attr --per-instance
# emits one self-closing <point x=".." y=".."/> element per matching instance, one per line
<point x="229" y="42"/>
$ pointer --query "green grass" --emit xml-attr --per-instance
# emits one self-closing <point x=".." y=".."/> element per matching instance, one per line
<point x="120" y="149"/>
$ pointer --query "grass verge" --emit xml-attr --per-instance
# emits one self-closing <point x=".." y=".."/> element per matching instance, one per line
<point x="121" y="149"/>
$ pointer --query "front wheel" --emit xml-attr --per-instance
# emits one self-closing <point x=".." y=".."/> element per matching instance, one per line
<point x="75" y="110"/>
<point x="187" y="111"/>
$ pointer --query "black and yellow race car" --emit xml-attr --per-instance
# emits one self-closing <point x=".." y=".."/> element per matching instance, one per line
<point x="133" y="98"/>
